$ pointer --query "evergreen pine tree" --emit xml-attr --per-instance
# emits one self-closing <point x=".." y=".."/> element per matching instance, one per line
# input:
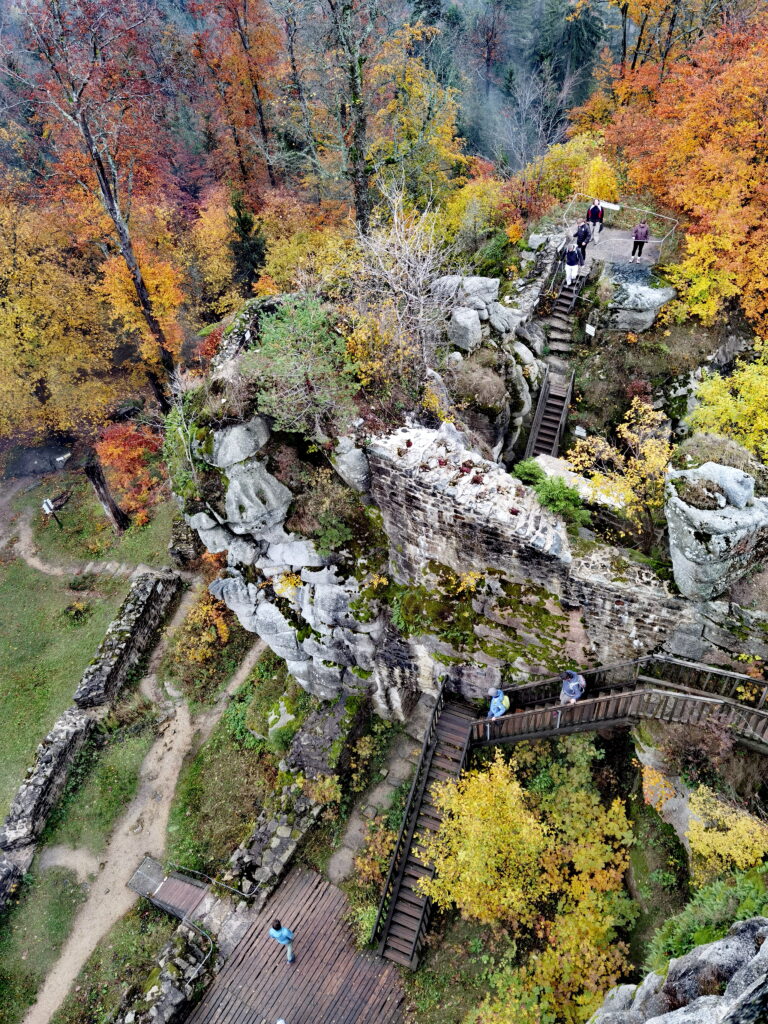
<point x="248" y="245"/>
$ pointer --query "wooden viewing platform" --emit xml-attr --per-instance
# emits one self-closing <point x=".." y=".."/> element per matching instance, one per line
<point x="330" y="982"/>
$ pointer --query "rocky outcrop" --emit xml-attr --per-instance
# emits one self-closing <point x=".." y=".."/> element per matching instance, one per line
<point x="635" y="300"/>
<point x="718" y="530"/>
<point x="351" y="463"/>
<point x="128" y="637"/>
<point x="722" y="982"/>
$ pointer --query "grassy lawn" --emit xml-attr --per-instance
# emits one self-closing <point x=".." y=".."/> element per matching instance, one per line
<point x="87" y="533"/>
<point x="32" y="933"/>
<point x="103" y="781"/>
<point x="124" y="957"/>
<point x="221" y="791"/>
<point x="42" y="657"/>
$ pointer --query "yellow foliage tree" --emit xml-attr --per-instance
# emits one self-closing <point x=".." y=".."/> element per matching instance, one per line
<point x="600" y="179"/>
<point x="488" y="851"/>
<point x="55" y="344"/>
<point x="635" y="473"/>
<point x="472" y="212"/>
<point x="414" y="128"/>
<point x="736" y="406"/>
<point x="723" y="837"/>
<point x="164" y="284"/>
<point x="212" y="261"/>
<point x="704" y="279"/>
<point x="327" y="259"/>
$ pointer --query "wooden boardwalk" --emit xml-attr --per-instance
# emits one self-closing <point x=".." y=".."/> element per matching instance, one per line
<point x="330" y="982"/>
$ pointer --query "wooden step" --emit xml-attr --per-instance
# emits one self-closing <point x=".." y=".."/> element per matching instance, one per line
<point x="396" y="956"/>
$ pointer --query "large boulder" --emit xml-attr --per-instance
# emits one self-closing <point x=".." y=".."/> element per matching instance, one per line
<point x="351" y="463"/>
<point x="464" y="329"/>
<point x="635" y="301"/>
<point x="751" y="1007"/>
<point x="707" y="969"/>
<point x="717" y="530"/>
<point x="704" y="1010"/>
<point x="255" y="500"/>
<point x="240" y="442"/>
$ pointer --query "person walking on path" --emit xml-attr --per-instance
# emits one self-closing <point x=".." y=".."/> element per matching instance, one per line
<point x="572" y="264"/>
<point x="640" y="236"/>
<point x="582" y="236"/>
<point x="595" y="219"/>
<point x="499" y="703"/>
<point x="285" y="937"/>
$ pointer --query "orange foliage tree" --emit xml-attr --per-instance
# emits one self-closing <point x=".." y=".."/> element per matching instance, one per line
<point x="696" y="138"/>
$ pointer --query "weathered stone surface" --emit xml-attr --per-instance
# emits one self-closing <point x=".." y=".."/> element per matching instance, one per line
<point x="323" y="744"/>
<point x="10" y="876"/>
<point x="502" y="319"/>
<point x="646" y="991"/>
<point x="464" y="329"/>
<point x="45" y="780"/>
<point x="533" y="335"/>
<point x="713" y="548"/>
<point x="185" y="546"/>
<point x="634" y="307"/>
<point x="255" y="500"/>
<point x="351" y="463"/>
<point x="239" y="442"/>
<point x="751" y="1007"/>
<point x="275" y="630"/>
<point x="299" y="554"/>
<point x="128" y="637"/>
<point x="704" y="1010"/>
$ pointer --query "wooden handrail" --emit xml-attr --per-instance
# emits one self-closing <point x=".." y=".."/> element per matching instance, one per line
<point x="538" y="415"/>
<point x="410" y="817"/>
<point x="749" y="723"/>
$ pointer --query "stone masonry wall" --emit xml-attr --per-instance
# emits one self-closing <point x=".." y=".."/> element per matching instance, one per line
<point x="442" y="503"/>
<point x="127" y="639"/>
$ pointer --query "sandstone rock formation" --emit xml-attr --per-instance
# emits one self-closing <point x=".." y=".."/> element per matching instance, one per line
<point x="722" y="982"/>
<point x="718" y="530"/>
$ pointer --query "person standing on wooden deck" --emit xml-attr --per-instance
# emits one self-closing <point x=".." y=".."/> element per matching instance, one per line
<point x="285" y="937"/>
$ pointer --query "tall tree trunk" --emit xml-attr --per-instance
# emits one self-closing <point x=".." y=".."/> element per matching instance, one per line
<point x="291" y="31"/>
<point x="92" y="469"/>
<point x="111" y="205"/>
<point x="264" y="131"/>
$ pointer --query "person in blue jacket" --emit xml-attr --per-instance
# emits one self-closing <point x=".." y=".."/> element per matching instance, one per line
<point x="285" y="937"/>
<point x="499" y="703"/>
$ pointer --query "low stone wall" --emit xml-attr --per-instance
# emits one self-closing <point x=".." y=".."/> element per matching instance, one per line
<point x="10" y="875"/>
<point x="128" y="637"/>
<point x="46" y="780"/>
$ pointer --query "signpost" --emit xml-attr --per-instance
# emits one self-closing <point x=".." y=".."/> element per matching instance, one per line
<point x="51" y="511"/>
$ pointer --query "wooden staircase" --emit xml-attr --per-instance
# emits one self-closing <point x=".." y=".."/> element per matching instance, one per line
<point x="655" y="687"/>
<point x="404" y="912"/>
<point x="551" y="414"/>
<point x="559" y="323"/>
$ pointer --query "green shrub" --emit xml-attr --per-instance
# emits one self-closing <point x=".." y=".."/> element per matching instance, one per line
<point x="709" y="915"/>
<point x="280" y="739"/>
<point x="555" y="494"/>
<point x="529" y="471"/>
<point x="332" y="535"/>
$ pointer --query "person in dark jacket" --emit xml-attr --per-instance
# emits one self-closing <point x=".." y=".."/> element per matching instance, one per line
<point x="573" y="262"/>
<point x="640" y="236"/>
<point x="595" y="219"/>
<point x="582" y="237"/>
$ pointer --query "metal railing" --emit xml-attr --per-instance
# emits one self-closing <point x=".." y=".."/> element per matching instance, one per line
<point x="408" y="827"/>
